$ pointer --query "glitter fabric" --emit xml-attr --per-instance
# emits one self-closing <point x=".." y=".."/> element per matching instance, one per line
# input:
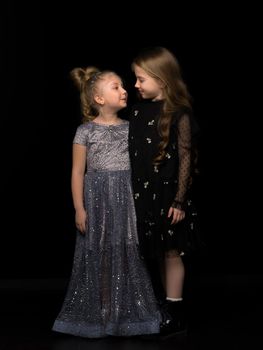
<point x="109" y="292"/>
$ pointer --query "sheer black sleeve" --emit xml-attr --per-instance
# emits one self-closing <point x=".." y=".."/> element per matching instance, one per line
<point x="184" y="153"/>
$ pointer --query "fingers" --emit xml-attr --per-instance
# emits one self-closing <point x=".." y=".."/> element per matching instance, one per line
<point x="177" y="215"/>
<point x="81" y="227"/>
<point x="81" y="220"/>
<point x="170" y="212"/>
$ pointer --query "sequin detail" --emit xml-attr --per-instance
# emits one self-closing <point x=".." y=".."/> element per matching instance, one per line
<point x="109" y="292"/>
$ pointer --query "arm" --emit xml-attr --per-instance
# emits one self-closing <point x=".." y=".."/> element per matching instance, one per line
<point x="77" y="185"/>
<point x="184" y="171"/>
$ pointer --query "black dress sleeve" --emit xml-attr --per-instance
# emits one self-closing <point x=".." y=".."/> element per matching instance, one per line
<point x="184" y="160"/>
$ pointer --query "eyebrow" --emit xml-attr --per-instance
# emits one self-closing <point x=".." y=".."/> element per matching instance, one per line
<point x="116" y="83"/>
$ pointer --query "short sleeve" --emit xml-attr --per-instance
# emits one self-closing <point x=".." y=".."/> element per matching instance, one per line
<point x="81" y="136"/>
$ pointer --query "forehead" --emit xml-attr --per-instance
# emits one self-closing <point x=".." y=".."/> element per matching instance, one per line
<point x="111" y="78"/>
<point x="140" y="72"/>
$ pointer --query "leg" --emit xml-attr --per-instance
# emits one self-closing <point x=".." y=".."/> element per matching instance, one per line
<point x="173" y="312"/>
<point x="174" y="275"/>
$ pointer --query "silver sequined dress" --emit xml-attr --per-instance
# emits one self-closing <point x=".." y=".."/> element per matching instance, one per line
<point x="109" y="291"/>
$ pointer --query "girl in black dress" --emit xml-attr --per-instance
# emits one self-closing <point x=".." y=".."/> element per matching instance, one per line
<point x="161" y="152"/>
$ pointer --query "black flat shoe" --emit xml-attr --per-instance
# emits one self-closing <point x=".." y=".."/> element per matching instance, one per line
<point x="173" y="320"/>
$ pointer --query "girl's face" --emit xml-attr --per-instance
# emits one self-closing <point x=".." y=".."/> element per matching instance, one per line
<point x="111" y="92"/>
<point x="147" y="86"/>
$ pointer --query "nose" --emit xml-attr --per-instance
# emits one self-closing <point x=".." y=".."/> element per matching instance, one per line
<point x="137" y="84"/>
<point x="124" y="93"/>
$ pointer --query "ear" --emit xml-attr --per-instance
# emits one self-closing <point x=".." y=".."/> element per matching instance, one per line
<point x="99" y="100"/>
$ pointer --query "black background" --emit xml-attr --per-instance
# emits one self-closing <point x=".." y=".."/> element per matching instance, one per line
<point x="40" y="112"/>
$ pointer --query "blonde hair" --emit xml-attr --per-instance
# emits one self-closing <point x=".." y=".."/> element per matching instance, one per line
<point x="162" y="65"/>
<point x="87" y="81"/>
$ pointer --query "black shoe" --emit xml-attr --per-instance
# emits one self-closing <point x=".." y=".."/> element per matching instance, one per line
<point x="173" y="320"/>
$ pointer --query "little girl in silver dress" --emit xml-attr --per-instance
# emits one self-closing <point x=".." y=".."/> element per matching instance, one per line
<point x="109" y="291"/>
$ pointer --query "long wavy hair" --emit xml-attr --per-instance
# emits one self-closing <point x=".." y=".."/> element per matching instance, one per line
<point x="162" y="65"/>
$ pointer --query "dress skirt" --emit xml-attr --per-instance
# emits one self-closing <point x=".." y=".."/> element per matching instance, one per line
<point x="109" y="292"/>
<point x="156" y="234"/>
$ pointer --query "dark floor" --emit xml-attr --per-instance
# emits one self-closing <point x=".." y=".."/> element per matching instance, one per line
<point x="225" y="312"/>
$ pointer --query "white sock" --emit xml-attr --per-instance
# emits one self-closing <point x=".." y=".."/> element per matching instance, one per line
<point x="174" y="299"/>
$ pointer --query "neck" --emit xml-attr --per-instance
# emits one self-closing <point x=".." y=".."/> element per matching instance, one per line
<point x="107" y="118"/>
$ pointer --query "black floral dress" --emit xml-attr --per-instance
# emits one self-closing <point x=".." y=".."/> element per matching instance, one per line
<point x="157" y="188"/>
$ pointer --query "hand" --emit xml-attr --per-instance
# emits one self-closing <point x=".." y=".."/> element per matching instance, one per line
<point x="80" y="220"/>
<point x="177" y="215"/>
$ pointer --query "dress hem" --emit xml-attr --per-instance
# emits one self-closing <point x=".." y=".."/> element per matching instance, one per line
<point x="111" y="329"/>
